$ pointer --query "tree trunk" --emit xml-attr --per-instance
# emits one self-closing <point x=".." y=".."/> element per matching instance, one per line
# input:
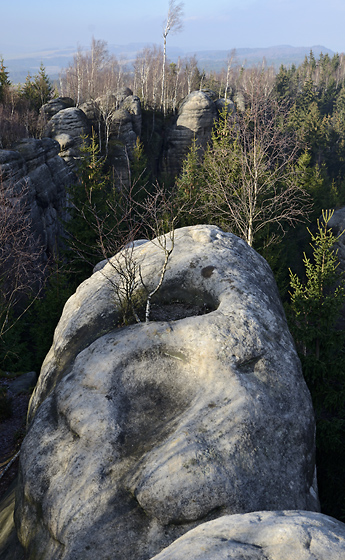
<point x="163" y="75"/>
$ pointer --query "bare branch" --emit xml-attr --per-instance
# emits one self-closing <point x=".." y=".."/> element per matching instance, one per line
<point x="21" y="255"/>
<point x="249" y="170"/>
<point x="173" y="22"/>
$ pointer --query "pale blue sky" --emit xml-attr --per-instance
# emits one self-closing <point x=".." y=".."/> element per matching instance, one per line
<point x="215" y="24"/>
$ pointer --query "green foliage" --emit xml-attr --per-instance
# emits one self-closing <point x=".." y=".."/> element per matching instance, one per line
<point x="188" y="188"/>
<point x="314" y="312"/>
<point x="316" y="303"/>
<point x="88" y="209"/>
<point x="4" y="79"/>
<point x="38" y="90"/>
<point x="25" y="345"/>
<point x="14" y="353"/>
<point x="315" y="181"/>
<point x="140" y="175"/>
<point x="44" y="315"/>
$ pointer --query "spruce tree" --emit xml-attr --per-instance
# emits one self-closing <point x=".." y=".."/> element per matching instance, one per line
<point x="37" y="90"/>
<point x="43" y="87"/>
<point x="188" y="192"/>
<point x="87" y="209"/>
<point x="314" y="313"/>
<point x="4" y="79"/>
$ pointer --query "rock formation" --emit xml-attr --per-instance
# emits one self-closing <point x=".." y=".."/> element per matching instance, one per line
<point x="37" y="164"/>
<point x="140" y="433"/>
<point x="196" y="117"/>
<point x="295" y="535"/>
<point x="117" y="116"/>
<point x="50" y="109"/>
<point x="68" y="127"/>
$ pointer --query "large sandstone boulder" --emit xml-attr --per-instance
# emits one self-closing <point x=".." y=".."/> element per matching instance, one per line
<point x="138" y="434"/>
<point x="36" y="164"/>
<point x="283" y="535"/>
<point x="196" y="117"/>
<point x="68" y="127"/>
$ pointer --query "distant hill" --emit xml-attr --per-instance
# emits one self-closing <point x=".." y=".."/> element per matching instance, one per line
<point x="274" y="56"/>
<point x="19" y="64"/>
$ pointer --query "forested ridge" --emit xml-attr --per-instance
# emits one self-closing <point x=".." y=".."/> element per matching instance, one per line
<point x="275" y="161"/>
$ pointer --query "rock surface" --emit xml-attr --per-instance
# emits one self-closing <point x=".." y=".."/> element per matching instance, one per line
<point x="287" y="535"/>
<point x="196" y="117"/>
<point x="140" y="433"/>
<point x="68" y="127"/>
<point x="55" y="105"/>
<point x="120" y="113"/>
<point x="10" y="548"/>
<point x="36" y="163"/>
<point x="118" y="117"/>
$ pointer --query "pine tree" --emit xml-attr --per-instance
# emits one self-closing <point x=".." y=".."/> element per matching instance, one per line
<point x="4" y="79"/>
<point x="314" y="315"/>
<point x="28" y="91"/>
<point x="37" y="90"/>
<point x="188" y="192"/>
<point x="139" y="174"/>
<point x="88" y="207"/>
<point x="43" y="87"/>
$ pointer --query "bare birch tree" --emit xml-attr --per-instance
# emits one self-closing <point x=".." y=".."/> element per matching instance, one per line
<point x="250" y="182"/>
<point x="230" y="60"/>
<point x="92" y="73"/>
<point x="21" y="255"/>
<point x="173" y="24"/>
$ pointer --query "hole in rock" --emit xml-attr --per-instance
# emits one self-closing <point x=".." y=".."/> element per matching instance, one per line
<point x="173" y="303"/>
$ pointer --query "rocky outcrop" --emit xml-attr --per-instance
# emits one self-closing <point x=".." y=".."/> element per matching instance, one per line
<point x="68" y="127"/>
<point x="116" y="117"/>
<point x="139" y="434"/>
<point x="196" y="118"/>
<point x="54" y="106"/>
<point x="222" y="104"/>
<point x="297" y="535"/>
<point x="119" y="117"/>
<point x="36" y="164"/>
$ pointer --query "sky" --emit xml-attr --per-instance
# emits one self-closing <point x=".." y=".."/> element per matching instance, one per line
<point x="218" y="24"/>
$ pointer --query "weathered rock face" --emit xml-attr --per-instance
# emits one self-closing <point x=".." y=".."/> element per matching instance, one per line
<point x="297" y="535"/>
<point x="195" y="118"/>
<point x="223" y="103"/>
<point x="37" y="164"/>
<point x="55" y="105"/>
<point x="120" y="117"/>
<point x="141" y="433"/>
<point x="67" y="127"/>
